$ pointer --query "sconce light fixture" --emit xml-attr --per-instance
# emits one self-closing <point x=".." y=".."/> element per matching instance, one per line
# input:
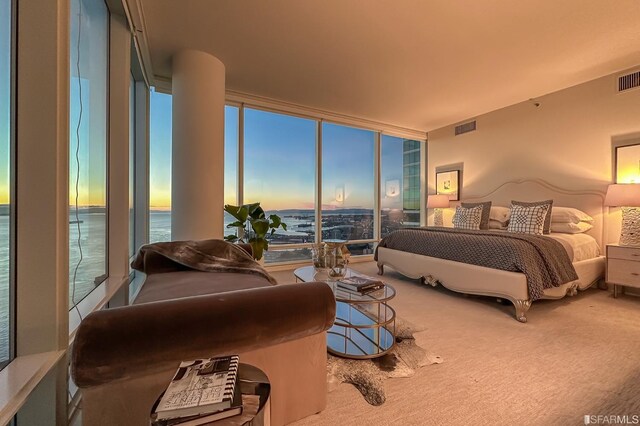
<point x="392" y="188"/>
<point x="340" y="194"/>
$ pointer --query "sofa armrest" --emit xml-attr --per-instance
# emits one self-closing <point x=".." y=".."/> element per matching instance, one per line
<point x="131" y="341"/>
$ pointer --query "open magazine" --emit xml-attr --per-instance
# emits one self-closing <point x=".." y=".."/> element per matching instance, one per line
<point x="201" y="386"/>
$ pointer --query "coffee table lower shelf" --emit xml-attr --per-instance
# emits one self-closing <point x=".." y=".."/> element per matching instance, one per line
<point x="362" y="331"/>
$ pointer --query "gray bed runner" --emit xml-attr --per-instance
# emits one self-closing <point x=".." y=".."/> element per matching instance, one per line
<point x="541" y="259"/>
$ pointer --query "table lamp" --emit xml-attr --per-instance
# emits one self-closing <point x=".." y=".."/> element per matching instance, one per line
<point x="627" y="196"/>
<point x="438" y="202"/>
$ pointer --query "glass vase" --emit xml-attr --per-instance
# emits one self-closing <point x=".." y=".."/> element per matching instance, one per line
<point x="336" y="259"/>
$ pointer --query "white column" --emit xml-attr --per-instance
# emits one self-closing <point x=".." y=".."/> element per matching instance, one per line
<point x="197" y="170"/>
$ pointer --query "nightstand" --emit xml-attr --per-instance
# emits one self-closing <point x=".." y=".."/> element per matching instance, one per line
<point x="623" y="266"/>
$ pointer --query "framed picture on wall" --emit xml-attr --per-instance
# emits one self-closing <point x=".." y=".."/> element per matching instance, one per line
<point x="449" y="183"/>
<point x="627" y="161"/>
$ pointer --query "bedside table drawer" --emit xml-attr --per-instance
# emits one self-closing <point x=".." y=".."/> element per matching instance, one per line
<point x="623" y="272"/>
<point x="629" y="253"/>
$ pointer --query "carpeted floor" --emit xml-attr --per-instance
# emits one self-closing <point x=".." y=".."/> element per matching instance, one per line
<point x="574" y="357"/>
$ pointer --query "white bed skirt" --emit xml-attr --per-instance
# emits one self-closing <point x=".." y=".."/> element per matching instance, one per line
<point x="472" y="279"/>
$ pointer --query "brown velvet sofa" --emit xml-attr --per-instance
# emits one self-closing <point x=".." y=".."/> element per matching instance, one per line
<point x="123" y="358"/>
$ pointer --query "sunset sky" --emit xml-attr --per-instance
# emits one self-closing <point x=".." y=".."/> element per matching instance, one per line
<point x="5" y="84"/>
<point x="160" y="151"/>
<point x="280" y="168"/>
<point x="93" y="61"/>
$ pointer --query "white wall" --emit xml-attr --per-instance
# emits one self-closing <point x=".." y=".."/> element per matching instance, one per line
<point x="567" y="140"/>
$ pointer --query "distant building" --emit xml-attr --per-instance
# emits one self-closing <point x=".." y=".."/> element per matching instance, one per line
<point x="411" y="181"/>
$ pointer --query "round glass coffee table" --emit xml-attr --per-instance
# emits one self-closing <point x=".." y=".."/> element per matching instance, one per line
<point x="365" y="324"/>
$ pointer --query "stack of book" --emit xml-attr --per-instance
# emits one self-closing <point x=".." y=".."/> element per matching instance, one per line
<point x="202" y="391"/>
<point x="360" y="285"/>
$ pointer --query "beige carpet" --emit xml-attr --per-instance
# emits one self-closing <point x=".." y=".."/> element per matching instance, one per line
<point x="575" y="356"/>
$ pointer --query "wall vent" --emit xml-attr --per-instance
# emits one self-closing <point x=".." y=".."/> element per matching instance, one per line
<point x="466" y="127"/>
<point x="629" y="81"/>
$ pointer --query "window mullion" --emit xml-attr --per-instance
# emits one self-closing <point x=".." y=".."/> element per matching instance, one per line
<point x="376" y="178"/>
<point x="240" y="176"/>
<point x="318" y="238"/>
<point x="424" y="181"/>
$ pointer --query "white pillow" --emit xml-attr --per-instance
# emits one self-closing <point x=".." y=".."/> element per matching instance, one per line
<point x="494" y="224"/>
<point x="500" y="214"/>
<point x="468" y="217"/>
<point x="570" y="228"/>
<point x="569" y="215"/>
<point x="528" y="219"/>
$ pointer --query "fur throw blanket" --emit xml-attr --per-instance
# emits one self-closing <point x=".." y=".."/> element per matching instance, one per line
<point x="204" y="255"/>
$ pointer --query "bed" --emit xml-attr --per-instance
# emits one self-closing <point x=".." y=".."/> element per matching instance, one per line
<point x="583" y="251"/>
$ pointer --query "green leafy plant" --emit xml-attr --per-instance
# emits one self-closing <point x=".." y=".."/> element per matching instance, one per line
<point x="253" y="227"/>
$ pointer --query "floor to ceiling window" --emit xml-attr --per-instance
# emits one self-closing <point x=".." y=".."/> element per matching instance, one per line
<point x="348" y="184"/>
<point x="279" y="172"/>
<point x="6" y="311"/>
<point x="159" y="167"/>
<point x="399" y="184"/>
<point x="88" y="147"/>
<point x="320" y="178"/>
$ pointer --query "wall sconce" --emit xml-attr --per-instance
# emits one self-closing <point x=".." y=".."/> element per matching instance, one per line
<point x="340" y="194"/>
<point x="392" y="188"/>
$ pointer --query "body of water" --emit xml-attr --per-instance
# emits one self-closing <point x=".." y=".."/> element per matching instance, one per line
<point x="159" y="226"/>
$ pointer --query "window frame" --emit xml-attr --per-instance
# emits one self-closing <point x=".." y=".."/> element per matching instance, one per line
<point x="140" y="151"/>
<point x="12" y="328"/>
<point x="421" y="189"/>
<point x="240" y="177"/>
<point x="133" y="119"/>
<point x="320" y="120"/>
<point x="108" y="93"/>
<point x="163" y="91"/>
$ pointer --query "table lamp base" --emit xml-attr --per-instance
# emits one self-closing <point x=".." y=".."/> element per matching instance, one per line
<point x="630" y="232"/>
<point x="438" y="218"/>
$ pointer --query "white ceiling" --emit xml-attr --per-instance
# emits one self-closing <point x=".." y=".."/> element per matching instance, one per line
<point x="420" y="64"/>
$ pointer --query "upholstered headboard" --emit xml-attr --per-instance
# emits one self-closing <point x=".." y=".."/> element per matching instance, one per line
<point x="589" y="201"/>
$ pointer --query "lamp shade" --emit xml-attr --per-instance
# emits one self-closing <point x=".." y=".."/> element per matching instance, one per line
<point x="438" y="201"/>
<point x="623" y="195"/>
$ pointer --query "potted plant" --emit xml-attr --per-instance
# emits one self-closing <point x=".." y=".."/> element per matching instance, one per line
<point x="253" y="227"/>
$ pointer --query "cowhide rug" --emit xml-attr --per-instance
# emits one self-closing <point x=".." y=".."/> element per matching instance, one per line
<point x="368" y="376"/>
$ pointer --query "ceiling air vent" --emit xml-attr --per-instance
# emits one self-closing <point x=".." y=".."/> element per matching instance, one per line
<point x="466" y="127"/>
<point x="629" y="81"/>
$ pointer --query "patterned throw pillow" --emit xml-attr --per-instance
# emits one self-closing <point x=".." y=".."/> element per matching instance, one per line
<point x="486" y="209"/>
<point x="528" y="220"/>
<point x="547" y="219"/>
<point x="467" y="218"/>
